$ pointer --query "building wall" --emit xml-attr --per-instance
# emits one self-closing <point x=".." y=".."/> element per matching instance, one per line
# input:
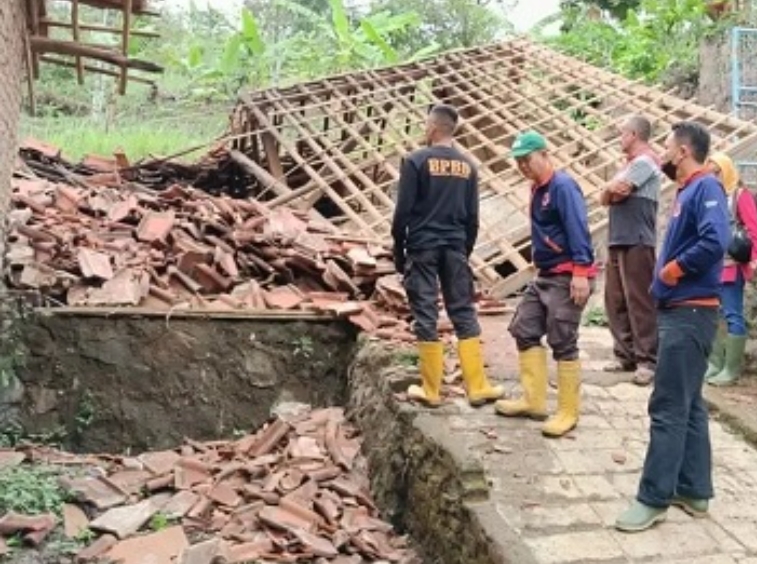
<point x="12" y="26"/>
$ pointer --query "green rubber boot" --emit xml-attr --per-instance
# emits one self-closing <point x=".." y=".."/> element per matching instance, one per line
<point x="639" y="517"/>
<point x="734" y="361"/>
<point x="716" y="362"/>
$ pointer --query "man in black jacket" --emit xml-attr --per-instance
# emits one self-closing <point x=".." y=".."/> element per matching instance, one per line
<point x="435" y="228"/>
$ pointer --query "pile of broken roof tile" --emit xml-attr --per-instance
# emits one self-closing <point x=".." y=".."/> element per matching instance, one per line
<point x="110" y="242"/>
<point x="292" y="492"/>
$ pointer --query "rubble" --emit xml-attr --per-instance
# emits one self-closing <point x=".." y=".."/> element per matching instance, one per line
<point x="291" y="492"/>
<point x="88" y="240"/>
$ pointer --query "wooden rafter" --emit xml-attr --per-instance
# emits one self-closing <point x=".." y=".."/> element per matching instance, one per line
<point x="73" y="52"/>
<point x="337" y="143"/>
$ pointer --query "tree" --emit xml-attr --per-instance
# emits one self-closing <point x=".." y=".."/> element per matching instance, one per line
<point x="658" y="40"/>
<point x="450" y="23"/>
<point x="616" y="9"/>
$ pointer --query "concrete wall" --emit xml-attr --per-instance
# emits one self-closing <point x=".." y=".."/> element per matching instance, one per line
<point x="12" y="26"/>
<point x="111" y="382"/>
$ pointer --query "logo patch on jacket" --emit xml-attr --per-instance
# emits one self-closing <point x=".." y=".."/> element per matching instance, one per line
<point x="545" y="200"/>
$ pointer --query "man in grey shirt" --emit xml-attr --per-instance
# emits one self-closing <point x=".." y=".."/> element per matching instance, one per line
<point x="633" y="197"/>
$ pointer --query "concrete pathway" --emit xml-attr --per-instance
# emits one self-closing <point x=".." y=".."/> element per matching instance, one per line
<point x="561" y="497"/>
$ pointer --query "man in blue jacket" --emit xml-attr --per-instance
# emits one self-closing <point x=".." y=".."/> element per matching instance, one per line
<point x="678" y="465"/>
<point x="553" y="303"/>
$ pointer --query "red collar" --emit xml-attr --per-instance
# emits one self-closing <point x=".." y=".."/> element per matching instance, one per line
<point x="692" y="178"/>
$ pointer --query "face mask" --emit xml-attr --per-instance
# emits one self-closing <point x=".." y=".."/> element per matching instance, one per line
<point x="670" y="170"/>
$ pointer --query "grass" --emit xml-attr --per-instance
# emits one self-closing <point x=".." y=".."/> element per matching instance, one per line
<point x="139" y="136"/>
<point x="31" y="490"/>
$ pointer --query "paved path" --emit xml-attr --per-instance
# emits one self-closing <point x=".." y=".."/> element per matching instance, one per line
<point x="562" y="496"/>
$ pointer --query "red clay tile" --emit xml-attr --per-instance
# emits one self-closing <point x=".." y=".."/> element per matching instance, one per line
<point x="163" y="547"/>
<point x="223" y="494"/>
<point x="180" y="504"/>
<point x="284" y="520"/>
<point x="10" y="458"/>
<point x="99" y="493"/>
<point x="283" y="297"/>
<point x="45" y="149"/>
<point x="250" y="551"/>
<point x="97" y="549"/>
<point x="127" y="520"/>
<point x="155" y="226"/>
<point x="74" y="520"/>
<point x="269" y="438"/>
<point x="94" y="264"/>
<point x="314" y="544"/>
<point x="207" y="552"/>
<point x="210" y="279"/>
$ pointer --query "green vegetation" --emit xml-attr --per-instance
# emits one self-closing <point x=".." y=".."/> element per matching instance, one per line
<point x="30" y="490"/>
<point x="595" y="317"/>
<point x="209" y="56"/>
<point x="654" y="40"/>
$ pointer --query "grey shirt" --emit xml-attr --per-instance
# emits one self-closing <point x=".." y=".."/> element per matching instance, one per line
<point x="634" y="220"/>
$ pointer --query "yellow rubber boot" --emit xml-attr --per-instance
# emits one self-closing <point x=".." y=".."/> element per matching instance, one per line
<point x="568" y="399"/>
<point x="431" y="365"/>
<point x="533" y="379"/>
<point x="476" y="383"/>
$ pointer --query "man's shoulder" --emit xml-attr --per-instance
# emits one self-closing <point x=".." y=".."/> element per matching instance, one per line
<point x="563" y="179"/>
<point x="707" y="185"/>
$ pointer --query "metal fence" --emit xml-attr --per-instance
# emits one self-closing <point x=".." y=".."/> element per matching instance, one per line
<point x="744" y="88"/>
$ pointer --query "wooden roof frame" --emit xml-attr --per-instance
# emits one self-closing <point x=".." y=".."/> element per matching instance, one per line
<point x="41" y="47"/>
<point x="340" y="140"/>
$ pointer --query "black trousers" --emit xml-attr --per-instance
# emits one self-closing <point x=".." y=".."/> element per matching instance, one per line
<point x="425" y="271"/>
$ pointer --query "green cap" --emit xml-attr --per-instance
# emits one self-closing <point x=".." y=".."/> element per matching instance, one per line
<point x="527" y="143"/>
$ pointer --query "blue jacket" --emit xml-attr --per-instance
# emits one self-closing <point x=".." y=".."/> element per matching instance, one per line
<point x="697" y="238"/>
<point x="560" y="239"/>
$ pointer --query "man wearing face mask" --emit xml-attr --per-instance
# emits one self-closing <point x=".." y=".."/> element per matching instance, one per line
<point x="553" y="303"/>
<point x="435" y="229"/>
<point x="678" y="464"/>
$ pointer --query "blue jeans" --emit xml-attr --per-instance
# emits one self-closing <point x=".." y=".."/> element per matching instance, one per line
<point x="732" y="306"/>
<point x="679" y="456"/>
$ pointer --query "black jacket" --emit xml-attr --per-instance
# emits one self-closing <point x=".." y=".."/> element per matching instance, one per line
<point x="437" y="202"/>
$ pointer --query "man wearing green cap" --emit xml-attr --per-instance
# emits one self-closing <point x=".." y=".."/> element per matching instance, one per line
<point x="552" y="304"/>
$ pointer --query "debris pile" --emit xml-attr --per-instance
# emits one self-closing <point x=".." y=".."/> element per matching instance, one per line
<point x="292" y="492"/>
<point x="99" y="240"/>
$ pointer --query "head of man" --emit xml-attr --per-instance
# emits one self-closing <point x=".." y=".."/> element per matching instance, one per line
<point x="686" y="150"/>
<point x="441" y="124"/>
<point x="530" y="153"/>
<point x="635" y="132"/>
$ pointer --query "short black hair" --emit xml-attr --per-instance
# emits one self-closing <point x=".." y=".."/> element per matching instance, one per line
<point x="641" y="126"/>
<point x="695" y="136"/>
<point x="446" y="115"/>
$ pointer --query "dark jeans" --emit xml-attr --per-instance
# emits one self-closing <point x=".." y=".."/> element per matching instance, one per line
<point x="629" y="304"/>
<point x="546" y="308"/>
<point x="679" y="457"/>
<point x="732" y="305"/>
<point x="424" y="272"/>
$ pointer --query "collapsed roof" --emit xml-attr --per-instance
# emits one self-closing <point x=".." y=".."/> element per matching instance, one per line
<point x="333" y="147"/>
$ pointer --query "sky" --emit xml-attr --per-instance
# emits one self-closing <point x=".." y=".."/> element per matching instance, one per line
<point x="523" y="16"/>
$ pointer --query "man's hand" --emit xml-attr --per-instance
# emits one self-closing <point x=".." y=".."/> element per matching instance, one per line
<point x="670" y="273"/>
<point x="579" y="290"/>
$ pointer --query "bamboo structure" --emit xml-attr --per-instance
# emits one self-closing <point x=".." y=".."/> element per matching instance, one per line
<point x="41" y="41"/>
<point x="334" y="146"/>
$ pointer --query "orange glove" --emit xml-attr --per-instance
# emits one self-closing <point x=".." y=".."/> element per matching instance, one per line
<point x="671" y="272"/>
